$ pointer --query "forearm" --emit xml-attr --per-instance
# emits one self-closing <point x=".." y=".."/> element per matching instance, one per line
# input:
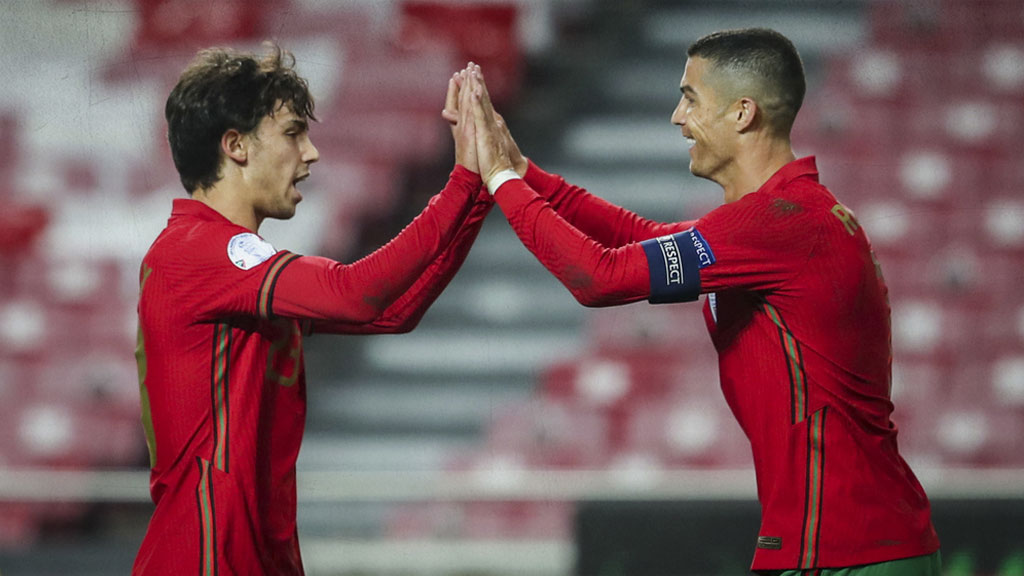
<point x="321" y="289"/>
<point x="595" y="275"/>
<point x="406" y="313"/>
<point x="603" y="221"/>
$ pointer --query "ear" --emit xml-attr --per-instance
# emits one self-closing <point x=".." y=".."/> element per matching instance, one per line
<point x="235" y="146"/>
<point x="745" y="113"/>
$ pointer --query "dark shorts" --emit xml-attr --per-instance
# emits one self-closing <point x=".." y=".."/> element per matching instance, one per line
<point x="930" y="565"/>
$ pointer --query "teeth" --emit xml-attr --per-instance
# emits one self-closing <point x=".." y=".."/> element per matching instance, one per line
<point x="690" y="142"/>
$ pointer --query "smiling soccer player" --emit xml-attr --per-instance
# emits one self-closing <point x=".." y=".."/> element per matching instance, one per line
<point x="796" y="305"/>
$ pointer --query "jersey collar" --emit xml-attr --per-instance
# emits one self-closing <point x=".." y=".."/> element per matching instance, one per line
<point x="796" y="169"/>
<point x="195" y="208"/>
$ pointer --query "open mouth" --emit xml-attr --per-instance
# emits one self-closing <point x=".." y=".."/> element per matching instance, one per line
<point x="690" y="142"/>
<point x="300" y="178"/>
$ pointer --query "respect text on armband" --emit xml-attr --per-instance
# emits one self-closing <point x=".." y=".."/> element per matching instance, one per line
<point x="705" y="257"/>
<point x="673" y="263"/>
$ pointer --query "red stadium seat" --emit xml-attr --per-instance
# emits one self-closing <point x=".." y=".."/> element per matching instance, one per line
<point x="21" y="226"/>
<point x="550" y="434"/>
<point x="945" y="24"/>
<point x="196" y="24"/>
<point x="483" y="33"/>
<point x="19" y="525"/>
<point x="676" y="330"/>
<point x="517" y="520"/>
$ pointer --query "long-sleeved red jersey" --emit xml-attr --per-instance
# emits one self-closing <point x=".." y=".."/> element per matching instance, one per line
<point x="221" y="320"/>
<point x="798" y="312"/>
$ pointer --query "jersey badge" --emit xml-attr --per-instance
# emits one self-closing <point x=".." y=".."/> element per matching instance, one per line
<point x="247" y="250"/>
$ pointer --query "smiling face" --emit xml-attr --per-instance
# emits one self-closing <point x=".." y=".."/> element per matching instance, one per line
<point x="702" y="113"/>
<point x="280" y="153"/>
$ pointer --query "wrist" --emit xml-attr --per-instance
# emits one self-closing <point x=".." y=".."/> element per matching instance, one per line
<point x="497" y="179"/>
<point x="521" y="166"/>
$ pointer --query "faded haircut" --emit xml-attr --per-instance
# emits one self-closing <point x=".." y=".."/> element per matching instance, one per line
<point x="758" y="63"/>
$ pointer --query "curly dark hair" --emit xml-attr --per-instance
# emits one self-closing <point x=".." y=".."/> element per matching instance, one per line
<point x="220" y="90"/>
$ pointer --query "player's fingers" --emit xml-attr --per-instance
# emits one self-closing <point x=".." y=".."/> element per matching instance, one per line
<point x="481" y="90"/>
<point x="451" y="102"/>
<point x="483" y="120"/>
<point x="483" y="83"/>
<point x="465" y="99"/>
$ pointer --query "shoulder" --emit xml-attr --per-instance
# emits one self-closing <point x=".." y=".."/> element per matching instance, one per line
<point x="785" y="219"/>
<point x="781" y="208"/>
<point x="197" y="243"/>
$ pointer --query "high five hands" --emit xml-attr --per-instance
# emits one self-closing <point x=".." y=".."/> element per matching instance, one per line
<point x="469" y="110"/>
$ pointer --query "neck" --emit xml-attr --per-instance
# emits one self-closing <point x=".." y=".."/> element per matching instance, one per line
<point x="754" y="165"/>
<point x="229" y="201"/>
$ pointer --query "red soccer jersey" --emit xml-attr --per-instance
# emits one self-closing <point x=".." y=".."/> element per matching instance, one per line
<point x="221" y="317"/>
<point x="798" y="312"/>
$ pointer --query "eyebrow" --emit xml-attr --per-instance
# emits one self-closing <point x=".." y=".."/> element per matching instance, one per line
<point x="297" y="124"/>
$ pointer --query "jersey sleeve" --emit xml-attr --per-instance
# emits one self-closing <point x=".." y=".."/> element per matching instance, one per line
<point x="255" y="280"/>
<point x="595" y="274"/>
<point x="754" y="244"/>
<point x="611" y="225"/>
<point x="406" y="313"/>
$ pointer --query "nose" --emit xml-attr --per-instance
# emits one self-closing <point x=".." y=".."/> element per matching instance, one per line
<point x="679" y="114"/>
<point x="310" y="154"/>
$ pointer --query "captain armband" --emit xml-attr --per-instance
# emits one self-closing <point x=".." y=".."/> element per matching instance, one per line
<point x="675" y="262"/>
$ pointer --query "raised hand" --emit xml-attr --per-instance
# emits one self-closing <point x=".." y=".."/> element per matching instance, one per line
<point x="457" y="111"/>
<point x="491" y="148"/>
<point x="519" y="162"/>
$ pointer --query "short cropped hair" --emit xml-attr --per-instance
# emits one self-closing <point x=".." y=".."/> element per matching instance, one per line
<point x="221" y="90"/>
<point x="765" y="63"/>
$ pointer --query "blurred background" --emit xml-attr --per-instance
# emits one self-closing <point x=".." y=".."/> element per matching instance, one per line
<point x="514" y="432"/>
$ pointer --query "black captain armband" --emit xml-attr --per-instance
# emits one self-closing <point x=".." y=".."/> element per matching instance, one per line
<point x="675" y="262"/>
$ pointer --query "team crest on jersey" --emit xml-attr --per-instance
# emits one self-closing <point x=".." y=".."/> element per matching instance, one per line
<point x="248" y="250"/>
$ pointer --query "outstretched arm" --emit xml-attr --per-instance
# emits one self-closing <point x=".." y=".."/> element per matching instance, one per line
<point x="607" y="223"/>
<point x="406" y="313"/>
<point x="603" y="221"/>
<point x="320" y="289"/>
<point x="391" y="289"/>
<point x="596" y="275"/>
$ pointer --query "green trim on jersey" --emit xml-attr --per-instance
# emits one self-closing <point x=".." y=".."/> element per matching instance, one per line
<point x="221" y="364"/>
<point x="815" y="489"/>
<point x="795" y="364"/>
<point x="140" y="361"/>
<point x="207" y="522"/>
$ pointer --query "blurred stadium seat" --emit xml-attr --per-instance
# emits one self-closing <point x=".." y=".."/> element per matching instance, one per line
<point x="485" y="33"/>
<point x="918" y="132"/>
